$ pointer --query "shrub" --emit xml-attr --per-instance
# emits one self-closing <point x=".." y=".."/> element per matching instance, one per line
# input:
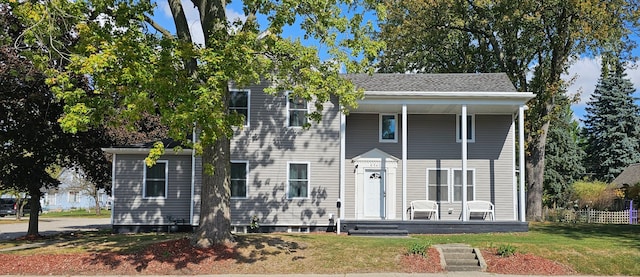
<point x="506" y="250"/>
<point x="418" y="249"/>
<point x="596" y="195"/>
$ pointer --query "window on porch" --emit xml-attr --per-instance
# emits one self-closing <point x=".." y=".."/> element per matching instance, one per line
<point x="445" y="185"/>
<point x="155" y="180"/>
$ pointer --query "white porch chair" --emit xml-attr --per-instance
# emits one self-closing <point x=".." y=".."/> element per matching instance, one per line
<point x="426" y="206"/>
<point x="484" y="207"/>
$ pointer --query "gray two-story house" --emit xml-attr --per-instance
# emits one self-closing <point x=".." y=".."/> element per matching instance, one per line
<point x="404" y="142"/>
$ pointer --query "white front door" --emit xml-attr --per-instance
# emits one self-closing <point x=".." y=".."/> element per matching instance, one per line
<point x="374" y="194"/>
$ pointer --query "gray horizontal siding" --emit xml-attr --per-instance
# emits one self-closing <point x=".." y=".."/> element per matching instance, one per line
<point x="130" y="208"/>
<point x="268" y="144"/>
<point x="431" y="144"/>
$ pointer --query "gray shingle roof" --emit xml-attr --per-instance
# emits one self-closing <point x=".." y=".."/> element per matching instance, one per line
<point x="461" y="82"/>
<point x="630" y="175"/>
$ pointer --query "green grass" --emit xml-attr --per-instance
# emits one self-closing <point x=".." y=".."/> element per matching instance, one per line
<point x="587" y="248"/>
<point x="77" y="213"/>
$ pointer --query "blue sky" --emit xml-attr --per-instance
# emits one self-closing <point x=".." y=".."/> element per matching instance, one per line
<point x="584" y="71"/>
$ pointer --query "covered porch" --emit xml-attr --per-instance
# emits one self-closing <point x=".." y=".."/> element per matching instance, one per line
<point x="427" y="127"/>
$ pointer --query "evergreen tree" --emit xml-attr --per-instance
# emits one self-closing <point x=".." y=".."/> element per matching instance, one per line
<point x="612" y="124"/>
<point x="564" y="156"/>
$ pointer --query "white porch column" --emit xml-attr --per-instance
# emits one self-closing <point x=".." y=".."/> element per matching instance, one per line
<point x="343" y="125"/>
<point x="463" y="133"/>
<point x="521" y="110"/>
<point x="404" y="161"/>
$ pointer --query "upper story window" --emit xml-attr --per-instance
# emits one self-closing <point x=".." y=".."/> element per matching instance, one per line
<point x="155" y="180"/>
<point x="388" y="128"/>
<point x="471" y="128"/>
<point x="298" y="176"/>
<point x="297" y="109"/>
<point x="239" y="102"/>
<point x="239" y="178"/>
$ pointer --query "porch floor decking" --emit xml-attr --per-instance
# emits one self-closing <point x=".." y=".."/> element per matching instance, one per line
<point x="440" y="226"/>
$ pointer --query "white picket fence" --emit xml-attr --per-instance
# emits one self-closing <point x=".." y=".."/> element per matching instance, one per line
<point x="593" y="216"/>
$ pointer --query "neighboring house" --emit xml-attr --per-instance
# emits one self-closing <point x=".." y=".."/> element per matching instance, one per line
<point x="403" y="143"/>
<point x="72" y="193"/>
<point x="629" y="176"/>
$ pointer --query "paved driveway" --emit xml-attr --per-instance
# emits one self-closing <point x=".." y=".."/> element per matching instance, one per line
<point x="48" y="226"/>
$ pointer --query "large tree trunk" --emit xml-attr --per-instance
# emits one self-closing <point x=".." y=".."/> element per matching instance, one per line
<point x="34" y="205"/>
<point x="535" y="173"/>
<point x="215" y="216"/>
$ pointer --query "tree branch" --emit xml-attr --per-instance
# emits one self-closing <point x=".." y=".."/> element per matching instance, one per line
<point x="157" y="26"/>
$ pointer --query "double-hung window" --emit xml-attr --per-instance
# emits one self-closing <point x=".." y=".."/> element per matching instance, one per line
<point x="298" y="178"/>
<point x="457" y="185"/>
<point x="438" y="185"/>
<point x="239" y="103"/>
<point x="471" y="128"/>
<point x="239" y="172"/>
<point x="155" y="180"/>
<point x="388" y="128"/>
<point x="297" y="107"/>
<point x="445" y="185"/>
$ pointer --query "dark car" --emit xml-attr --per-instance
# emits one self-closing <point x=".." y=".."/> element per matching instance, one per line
<point x="7" y="206"/>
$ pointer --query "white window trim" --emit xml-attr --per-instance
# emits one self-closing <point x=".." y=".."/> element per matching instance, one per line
<point x="395" y="138"/>
<point x="289" y="112"/>
<point x="246" y="177"/>
<point x="452" y="192"/>
<point x="308" y="179"/>
<point x="448" y="182"/>
<point x="166" y="181"/>
<point x="248" y="104"/>
<point x="473" y="128"/>
<point x="71" y="199"/>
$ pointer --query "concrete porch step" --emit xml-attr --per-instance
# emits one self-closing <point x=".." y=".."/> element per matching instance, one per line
<point x="461" y="257"/>
<point x="379" y="226"/>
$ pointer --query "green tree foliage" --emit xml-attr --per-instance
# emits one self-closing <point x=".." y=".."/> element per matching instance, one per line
<point x="521" y="38"/>
<point x="564" y="157"/>
<point x="137" y="66"/>
<point x="31" y="140"/>
<point x="612" y="124"/>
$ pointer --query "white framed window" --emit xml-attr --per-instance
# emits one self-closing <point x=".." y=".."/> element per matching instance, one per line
<point x="240" y="102"/>
<point x="457" y="185"/>
<point x="438" y="184"/>
<point x="297" y="110"/>
<point x="445" y="184"/>
<point x="74" y="197"/>
<point x="298" y="179"/>
<point x="155" y="180"/>
<point x="388" y="126"/>
<point x="471" y="128"/>
<point x="239" y="177"/>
